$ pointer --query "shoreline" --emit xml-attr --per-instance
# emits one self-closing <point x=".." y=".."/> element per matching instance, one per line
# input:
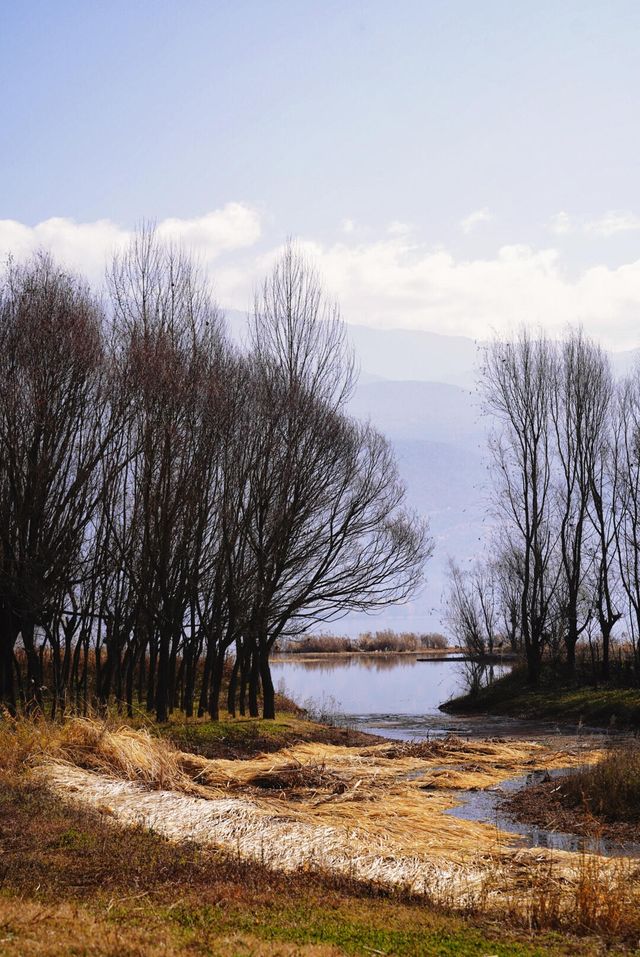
<point x="602" y="708"/>
<point x="436" y="654"/>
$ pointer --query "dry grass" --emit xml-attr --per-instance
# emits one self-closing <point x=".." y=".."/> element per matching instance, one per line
<point x="74" y="882"/>
<point x="119" y="751"/>
<point x="610" y="789"/>
<point x="386" y="641"/>
<point x="370" y="814"/>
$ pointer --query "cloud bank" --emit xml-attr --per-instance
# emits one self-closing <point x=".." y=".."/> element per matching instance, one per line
<point x="393" y="281"/>
<point x="87" y="247"/>
<point x="397" y="283"/>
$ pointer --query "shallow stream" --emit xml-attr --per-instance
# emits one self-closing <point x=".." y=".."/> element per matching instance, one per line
<point x="485" y="805"/>
<point x="399" y="697"/>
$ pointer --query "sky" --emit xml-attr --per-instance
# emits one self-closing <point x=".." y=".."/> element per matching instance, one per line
<point x="459" y="167"/>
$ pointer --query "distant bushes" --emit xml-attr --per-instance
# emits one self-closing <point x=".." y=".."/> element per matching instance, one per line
<point x="386" y="640"/>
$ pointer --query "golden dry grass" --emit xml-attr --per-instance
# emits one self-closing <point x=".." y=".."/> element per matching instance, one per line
<point x="369" y="813"/>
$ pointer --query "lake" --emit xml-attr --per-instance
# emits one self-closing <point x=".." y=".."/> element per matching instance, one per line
<point x="396" y="695"/>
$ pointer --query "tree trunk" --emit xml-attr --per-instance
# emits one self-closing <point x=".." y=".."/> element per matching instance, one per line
<point x="268" y="691"/>
<point x="254" y="685"/>
<point x="8" y="636"/>
<point x="216" y="684"/>
<point x="233" y="683"/>
<point x="162" y="683"/>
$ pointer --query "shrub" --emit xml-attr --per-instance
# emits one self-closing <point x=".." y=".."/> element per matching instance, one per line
<point x="609" y="790"/>
<point x="385" y="640"/>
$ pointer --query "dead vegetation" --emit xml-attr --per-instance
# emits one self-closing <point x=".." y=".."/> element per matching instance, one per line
<point x="370" y="814"/>
<point x="384" y="641"/>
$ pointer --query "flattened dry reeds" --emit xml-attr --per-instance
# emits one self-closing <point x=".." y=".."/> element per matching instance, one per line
<point x="374" y="814"/>
<point x="252" y="830"/>
<point x="123" y="752"/>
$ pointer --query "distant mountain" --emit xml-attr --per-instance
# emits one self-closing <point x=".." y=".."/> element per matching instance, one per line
<point x="445" y="483"/>
<point x="402" y="354"/>
<point x="439" y="438"/>
<point x="420" y="410"/>
<point x="413" y="355"/>
<point x="399" y="354"/>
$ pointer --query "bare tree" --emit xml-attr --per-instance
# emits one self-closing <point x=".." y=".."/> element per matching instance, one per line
<point x="518" y="380"/>
<point x="601" y="470"/>
<point x="166" y="499"/>
<point x="626" y="499"/>
<point x="328" y="531"/>
<point x="170" y="329"/>
<point x="579" y="398"/>
<point x="55" y="427"/>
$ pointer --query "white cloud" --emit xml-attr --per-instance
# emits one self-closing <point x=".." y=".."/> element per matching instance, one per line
<point x="395" y="283"/>
<point x="612" y="222"/>
<point x="398" y="228"/>
<point x="87" y="247"/>
<point x="561" y="223"/>
<point x="233" y="227"/>
<point x="479" y="216"/>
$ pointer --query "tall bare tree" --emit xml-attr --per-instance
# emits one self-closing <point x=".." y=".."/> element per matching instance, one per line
<point x="55" y="427"/>
<point x="518" y="381"/>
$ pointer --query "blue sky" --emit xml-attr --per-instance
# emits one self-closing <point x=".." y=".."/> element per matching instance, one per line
<point x="438" y="159"/>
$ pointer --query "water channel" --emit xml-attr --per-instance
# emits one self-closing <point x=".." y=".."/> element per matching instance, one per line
<point x="399" y="697"/>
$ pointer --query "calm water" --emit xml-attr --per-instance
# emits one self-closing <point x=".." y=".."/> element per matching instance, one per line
<point x="398" y="696"/>
<point x="486" y="806"/>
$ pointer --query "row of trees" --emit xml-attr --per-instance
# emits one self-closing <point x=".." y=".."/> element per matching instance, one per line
<point x="170" y="502"/>
<point x="565" y="448"/>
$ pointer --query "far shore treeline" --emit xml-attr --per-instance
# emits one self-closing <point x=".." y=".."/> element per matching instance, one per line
<point x="169" y="501"/>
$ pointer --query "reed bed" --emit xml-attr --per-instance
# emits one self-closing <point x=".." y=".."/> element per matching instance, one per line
<point x="375" y="814"/>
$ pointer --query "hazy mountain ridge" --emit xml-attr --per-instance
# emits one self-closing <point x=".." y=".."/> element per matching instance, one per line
<point x="440" y="441"/>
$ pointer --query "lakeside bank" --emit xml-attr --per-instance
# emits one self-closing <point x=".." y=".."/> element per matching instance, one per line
<point x="555" y="699"/>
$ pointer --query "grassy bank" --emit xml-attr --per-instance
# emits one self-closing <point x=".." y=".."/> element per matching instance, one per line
<point x="245" y="737"/>
<point x="74" y="881"/>
<point x="555" y="699"/>
<point x="601" y="800"/>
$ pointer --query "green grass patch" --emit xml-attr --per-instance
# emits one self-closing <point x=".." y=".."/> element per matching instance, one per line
<point x="352" y="927"/>
<point x="243" y="737"/>
<point x="553" y="699"/>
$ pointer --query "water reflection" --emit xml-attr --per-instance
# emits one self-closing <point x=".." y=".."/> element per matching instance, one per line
<point x="398" y="696"/>
<point x="366" y="663"/>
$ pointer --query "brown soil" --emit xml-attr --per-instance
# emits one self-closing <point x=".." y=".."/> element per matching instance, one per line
<point x="545" y="805"/>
